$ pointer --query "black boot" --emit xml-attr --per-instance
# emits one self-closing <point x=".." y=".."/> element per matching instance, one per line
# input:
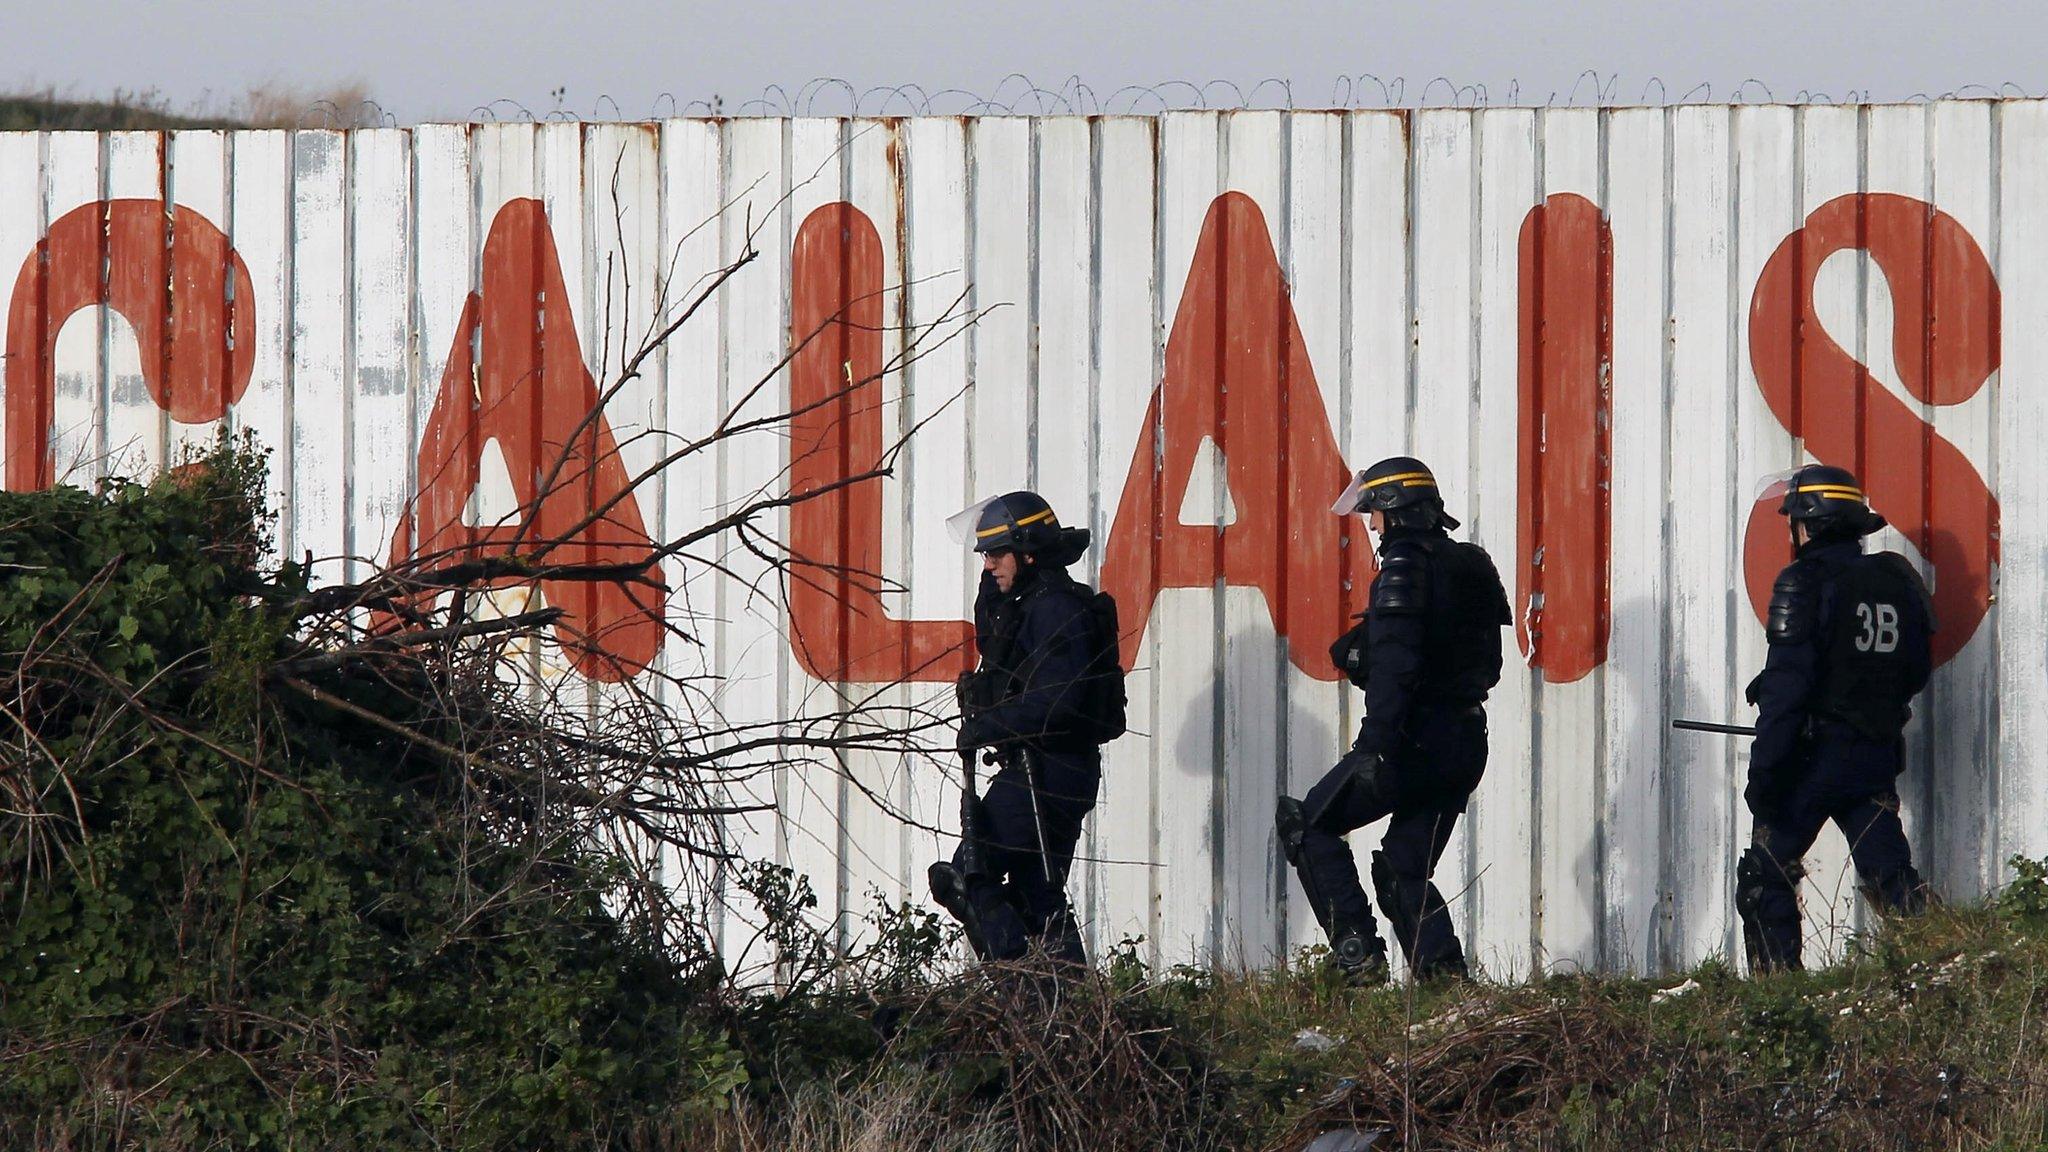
<point x="1898" y="892"/>
<point x="1422" y="923"/>
<point x="949" y="891"/>
<point x="1359" y="955"/>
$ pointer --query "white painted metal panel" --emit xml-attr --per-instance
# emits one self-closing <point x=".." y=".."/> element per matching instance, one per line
<point x="1445" y="179"/>
<point x="1063" y="446"/>
<point x="692" y="183"/>
<point x="1188" y="622"/>
<point x="21" y="228"/>
<point x="1958" y="795"/>
<point x="78" y="422"/>
<point x="1501" y="822"/>
<point x="1638" y="201"/>
<point x="445" y="241"/>
<point x="1124" y="828"/>
<point x="320" y="395"/>
<point x="508" y="164"/>
<point x="1768" y="207"/>
<point x="2020" y="730"/>
<point x="621" y="176"/>
<point x="1895" y="159"/>
<point x="259" y="227"/>
<point x="941" y="577"/>
<point x="1313" y="234"/>
<point x="1701" y="852"/>
<point x="755" y="314"/>
<point x="136" y="426"/>
<point x="382" y="435"/>
<point x="1001" y="347"/>
<point x="197" y="179"/>
<point x="1596" y="838"/>
<point x="1256" y="676"/>
<point x="873" y="788"/>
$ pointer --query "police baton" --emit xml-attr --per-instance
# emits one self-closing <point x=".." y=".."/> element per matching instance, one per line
<point x="970" y="818"/>
<point x="971" y="863"/>
<point x="1710" y="726"/>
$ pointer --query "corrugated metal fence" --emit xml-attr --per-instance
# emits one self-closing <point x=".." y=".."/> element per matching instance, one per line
<point x="1599" y="326"/>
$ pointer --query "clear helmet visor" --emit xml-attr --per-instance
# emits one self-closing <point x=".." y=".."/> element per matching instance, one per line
<point x="1347" y="501"/>
<point x="961" y="525"/>
<point x="1773" y="486"/>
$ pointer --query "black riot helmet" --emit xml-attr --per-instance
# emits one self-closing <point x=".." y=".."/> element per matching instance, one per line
<point x="1019" y="522"/>
<point x="1830" y="503"/>
<point x="1402" y="488"/>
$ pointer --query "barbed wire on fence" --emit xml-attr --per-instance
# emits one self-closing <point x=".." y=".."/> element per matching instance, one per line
<point x="1019" y="95"/>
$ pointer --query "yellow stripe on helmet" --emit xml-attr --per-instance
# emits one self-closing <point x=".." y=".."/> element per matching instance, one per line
<point x="1835" y="491"/>
<point x="1035" y="517"/>
<point x="1405" y="479"/>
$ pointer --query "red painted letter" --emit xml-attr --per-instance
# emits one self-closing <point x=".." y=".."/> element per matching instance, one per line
<point x="1237" y="373"/>
<point x="1561" y="554"/>
<point x="530" y="391"/>
<point x="1945" y="308"/>
<point x="841" y="630"/>
<point x="193" y="363"/>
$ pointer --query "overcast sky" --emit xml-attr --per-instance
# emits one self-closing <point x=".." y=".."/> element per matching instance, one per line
<point x="426" y="60"/>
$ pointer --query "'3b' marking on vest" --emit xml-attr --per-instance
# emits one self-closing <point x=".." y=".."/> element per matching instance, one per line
<point x="1880" y="631"/>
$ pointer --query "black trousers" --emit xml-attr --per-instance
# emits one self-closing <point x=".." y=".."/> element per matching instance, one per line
<point x="1767" y="883"/>
<point x="1020" y="896"/>
<point x="1423" y="789"/>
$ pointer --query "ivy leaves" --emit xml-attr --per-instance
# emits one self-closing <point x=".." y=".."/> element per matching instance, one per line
<point x="255" y="923"/>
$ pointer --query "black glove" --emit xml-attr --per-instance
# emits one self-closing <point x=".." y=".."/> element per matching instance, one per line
<point x="973" y="734"/>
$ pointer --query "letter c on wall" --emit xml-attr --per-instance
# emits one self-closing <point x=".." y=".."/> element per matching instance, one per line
<point x="168" y="274"/>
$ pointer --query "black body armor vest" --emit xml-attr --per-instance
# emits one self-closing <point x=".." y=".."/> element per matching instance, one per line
<point x="1874" y="645"/>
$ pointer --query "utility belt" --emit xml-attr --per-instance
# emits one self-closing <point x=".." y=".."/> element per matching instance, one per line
<point x="1426" y="714"/>
<point x="1442" y="708"/>
<point x="1820" y="727"/>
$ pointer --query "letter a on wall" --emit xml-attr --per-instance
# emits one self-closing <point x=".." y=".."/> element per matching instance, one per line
<point x="526" y="387"/>
<point x="1238" y="374"/>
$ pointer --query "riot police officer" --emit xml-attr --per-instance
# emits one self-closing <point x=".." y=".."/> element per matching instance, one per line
<point x="1850" y="645"/>
<point x="1427" y="653"/>
<point x="1046" y="696"/>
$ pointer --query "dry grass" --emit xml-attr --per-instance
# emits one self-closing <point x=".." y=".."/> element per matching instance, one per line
<point x="344" y="104"/>
<point x="274" y="104"/>
<point x="1929" y="1036"/>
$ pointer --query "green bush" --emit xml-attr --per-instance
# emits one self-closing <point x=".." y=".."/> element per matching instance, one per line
<point x="240" y="919"/>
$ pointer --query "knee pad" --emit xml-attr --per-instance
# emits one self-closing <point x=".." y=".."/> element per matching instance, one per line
<point x="1757" y="875"/>
<point x="1770" y="936"/>
<point x="1291" y="824"/>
